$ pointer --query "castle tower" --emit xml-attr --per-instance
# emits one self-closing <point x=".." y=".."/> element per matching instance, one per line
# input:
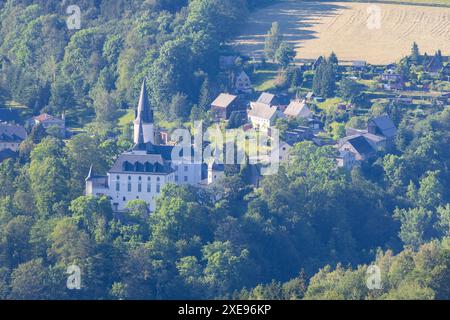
<point x="144" y="118"/>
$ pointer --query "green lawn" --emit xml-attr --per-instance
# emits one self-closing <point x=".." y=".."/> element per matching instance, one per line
<point x="265" y="78"/>
<point x="329" y="105"/>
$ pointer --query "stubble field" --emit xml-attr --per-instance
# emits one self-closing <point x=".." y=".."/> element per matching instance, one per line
<point x="378" y="33"/>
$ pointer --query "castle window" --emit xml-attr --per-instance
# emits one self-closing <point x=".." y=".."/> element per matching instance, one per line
<point x="149" y="187"/>
<point x="117" y="186"/>
<point x="186" y="168"/>
<point x="185" y="179"/>
<point x="176" y="178"/>
<point x="158" y="188"/>
<point x="118" y="177"/>
<point x="129" y="177"/>
<point x="139" y="187"/>
<point x="124" y="199"/>
<point x="129" y="186"/>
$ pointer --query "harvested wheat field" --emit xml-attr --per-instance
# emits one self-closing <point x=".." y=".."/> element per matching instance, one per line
<point x="352" y="30"/>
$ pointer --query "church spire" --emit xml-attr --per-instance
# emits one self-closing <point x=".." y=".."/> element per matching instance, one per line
<point x="140" y="143"/>
<point x="144" y="111"/>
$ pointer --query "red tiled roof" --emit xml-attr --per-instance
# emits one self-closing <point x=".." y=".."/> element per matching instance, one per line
<point x="44" y="117"/>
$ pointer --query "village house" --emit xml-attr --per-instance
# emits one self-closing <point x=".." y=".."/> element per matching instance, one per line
<point x="377" y="142"/>
<point x="298" y="109"/>
<point x="11" y="136"/>
<point x="284" y="151"/>
<point x="315" y="124"/>
<point x="346" y="160"/>
<point x="392" y="81"/>
<point x="243" y="83"/>
<point x="383" y="126"/>
<point x="298" y="134"/>
<point x="268" y="98"/>
<point x="224" y="105"/>
<point x="262" y="116"/>
<point x="358" y="146"/>
<point x="359" y="65"/>
<point x="48" y="121"/>
<point x="143" y="171"/>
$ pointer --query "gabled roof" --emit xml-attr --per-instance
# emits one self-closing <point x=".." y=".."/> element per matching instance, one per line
<point x="12" y="133"/>
<point x="359" y="143"/>
<point x="45" y="117"/>
<point x="266" y="98"/>
<point x="262" y="110"/>
<point x="243" y="74"/>
<point x="298" y="108"/>
<point x="374" y="138"/>
<point x="224" y="100"/>
<point x="385" y="125"/>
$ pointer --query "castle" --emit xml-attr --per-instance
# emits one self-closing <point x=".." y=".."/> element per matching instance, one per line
<point x="142" y="172"/>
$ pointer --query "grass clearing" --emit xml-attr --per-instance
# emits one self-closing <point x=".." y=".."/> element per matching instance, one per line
<point x="329" y="105"/>
<point x="265" y="79"/>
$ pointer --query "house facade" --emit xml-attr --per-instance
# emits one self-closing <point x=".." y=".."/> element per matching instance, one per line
<point x="48" y="121"/>
<point x="243" y="83"/>
<point x="262" y="116"/>
<point x="143" y="171"/>
<point x="298" y="109"/>
<point x="11" y="136"/>
<point x="224" y="105"/>
<point x="358" y="146"/>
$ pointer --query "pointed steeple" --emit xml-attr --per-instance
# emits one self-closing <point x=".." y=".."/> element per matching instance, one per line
<point x="144" y="110"/>
<point x="90" y="174"/>
<point x="140" y="144"/>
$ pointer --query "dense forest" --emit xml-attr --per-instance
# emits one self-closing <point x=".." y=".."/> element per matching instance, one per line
<point x="310" y="232"/>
